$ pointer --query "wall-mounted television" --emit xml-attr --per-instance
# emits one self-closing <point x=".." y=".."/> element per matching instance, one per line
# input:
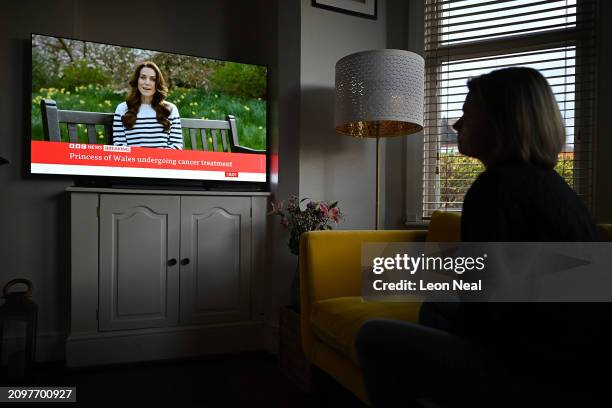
<point x="115" y="112"/>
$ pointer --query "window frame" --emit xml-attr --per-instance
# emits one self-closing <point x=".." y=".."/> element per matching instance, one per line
<point x="586" y="56"/>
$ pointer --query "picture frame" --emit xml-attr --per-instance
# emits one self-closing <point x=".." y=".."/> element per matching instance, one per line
<point x="358" y="8"/>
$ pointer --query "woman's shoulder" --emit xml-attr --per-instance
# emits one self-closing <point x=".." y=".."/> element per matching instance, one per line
<point x="121" y="109"/>
<point x="528" y="175"/>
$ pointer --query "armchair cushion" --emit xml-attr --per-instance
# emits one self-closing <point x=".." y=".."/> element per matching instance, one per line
<point x="336" y="321"/>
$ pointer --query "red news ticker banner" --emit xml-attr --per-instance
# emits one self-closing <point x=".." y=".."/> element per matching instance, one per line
<point x="145" y="157"/>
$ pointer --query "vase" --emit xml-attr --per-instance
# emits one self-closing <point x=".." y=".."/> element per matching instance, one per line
<point x="294" y="301"/>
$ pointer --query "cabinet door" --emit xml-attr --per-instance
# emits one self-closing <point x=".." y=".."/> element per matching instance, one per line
<point x="215" y="237"/>
<point x="138" y="285"/>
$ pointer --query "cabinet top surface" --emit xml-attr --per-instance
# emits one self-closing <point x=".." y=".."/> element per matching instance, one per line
<point x="166" y="192"/>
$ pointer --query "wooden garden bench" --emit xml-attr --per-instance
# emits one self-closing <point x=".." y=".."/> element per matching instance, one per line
<point x="199" y="129"/>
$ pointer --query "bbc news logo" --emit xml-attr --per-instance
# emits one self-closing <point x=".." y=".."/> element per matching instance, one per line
<point x="77" y="146"/>
<point x="231" y="174"/>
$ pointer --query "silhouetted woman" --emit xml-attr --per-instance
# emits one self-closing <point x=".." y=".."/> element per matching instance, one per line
<point x="463" y="353"/>
<point x="146" y="119"/>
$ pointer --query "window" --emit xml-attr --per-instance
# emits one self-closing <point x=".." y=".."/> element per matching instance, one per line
<point x="464" y="39"/>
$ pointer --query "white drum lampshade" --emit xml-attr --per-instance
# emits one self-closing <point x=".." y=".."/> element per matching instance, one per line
<point x="379" y="93"/>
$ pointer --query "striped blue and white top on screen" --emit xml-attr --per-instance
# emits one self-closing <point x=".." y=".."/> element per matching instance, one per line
<point x="147" y="131"/>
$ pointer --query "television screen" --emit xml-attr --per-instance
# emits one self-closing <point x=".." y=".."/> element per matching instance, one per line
<point x="105" y="110"/>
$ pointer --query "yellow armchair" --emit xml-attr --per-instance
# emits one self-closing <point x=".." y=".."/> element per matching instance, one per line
<point x="332" y="309"/>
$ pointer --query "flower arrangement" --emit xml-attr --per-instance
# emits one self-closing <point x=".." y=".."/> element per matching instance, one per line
<point x="317" y="215"/>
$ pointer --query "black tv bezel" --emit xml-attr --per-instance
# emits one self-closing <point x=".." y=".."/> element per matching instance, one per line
<point x="153" y="183"/>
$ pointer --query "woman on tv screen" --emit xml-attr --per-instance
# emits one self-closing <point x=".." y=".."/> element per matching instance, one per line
<point x="146" y="119"/>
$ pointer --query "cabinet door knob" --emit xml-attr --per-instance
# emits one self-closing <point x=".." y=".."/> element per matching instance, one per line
<point x="185" y="261"/>
<point x="172" y="262"/>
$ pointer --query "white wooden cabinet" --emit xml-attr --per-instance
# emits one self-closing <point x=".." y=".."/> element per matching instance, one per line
<point x="164" y="274"/>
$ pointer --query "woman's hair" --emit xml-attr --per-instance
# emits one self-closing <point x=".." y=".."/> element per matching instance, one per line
<point x="522" y="109"/>
<point x="134" y="98"/>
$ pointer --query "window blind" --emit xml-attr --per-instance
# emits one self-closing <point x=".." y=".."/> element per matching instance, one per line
<point x="468" y="38"/>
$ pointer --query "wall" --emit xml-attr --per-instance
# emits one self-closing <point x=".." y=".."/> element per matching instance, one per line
<point x="401" y="153"/>
<point x="333" y="166"/>
<point x="285" y="161"/>
<point x="314" y="161"/>
<point x="33" y="209"/>
<point x="337" y="167"/>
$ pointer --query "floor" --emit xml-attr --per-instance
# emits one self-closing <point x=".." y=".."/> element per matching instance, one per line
<point x="247" y="379"/>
